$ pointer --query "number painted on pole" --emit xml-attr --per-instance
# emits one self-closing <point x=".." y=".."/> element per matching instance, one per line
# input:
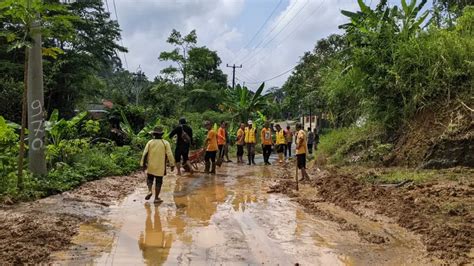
<point x="37" y="142"/>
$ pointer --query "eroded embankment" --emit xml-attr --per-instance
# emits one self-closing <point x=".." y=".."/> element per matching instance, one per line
<point x="30" y="232"/>
<point x="440" y="211"/>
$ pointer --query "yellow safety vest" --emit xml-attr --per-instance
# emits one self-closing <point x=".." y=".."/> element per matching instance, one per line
<point x="280" y="137"/>
<point x="250" y="135"/>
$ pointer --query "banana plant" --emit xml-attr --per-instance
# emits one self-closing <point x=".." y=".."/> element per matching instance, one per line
<point x="58" y="129"/>
<point x="243" y="103"/>
<point x="404" y="21"/>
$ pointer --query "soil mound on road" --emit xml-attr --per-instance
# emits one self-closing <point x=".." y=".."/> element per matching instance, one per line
<point x="30" y="232"/>
<point x="441" y="212"/>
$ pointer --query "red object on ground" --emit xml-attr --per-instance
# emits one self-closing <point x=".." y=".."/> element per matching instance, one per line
<point x="196" y="157"/>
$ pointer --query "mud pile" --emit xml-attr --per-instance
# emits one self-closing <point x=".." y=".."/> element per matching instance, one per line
<point x="30" y="232"/>
<point x="441" y="212"/>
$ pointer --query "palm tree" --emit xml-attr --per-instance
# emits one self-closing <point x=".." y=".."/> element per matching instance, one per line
<point x="243" y="102"/>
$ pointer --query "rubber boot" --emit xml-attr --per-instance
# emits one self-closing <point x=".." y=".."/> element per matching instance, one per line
<point x="213" y="169"/>
<point x="250" y="159"/>
<point x="253" y="159"/>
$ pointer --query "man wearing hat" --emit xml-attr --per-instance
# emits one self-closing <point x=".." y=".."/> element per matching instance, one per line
<point x="250" y="140"/>
<point x="157" y="152"/>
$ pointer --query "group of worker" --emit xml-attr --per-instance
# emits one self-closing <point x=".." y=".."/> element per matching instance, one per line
<point x="158" y="151"/>
<point x="217" y="142"/>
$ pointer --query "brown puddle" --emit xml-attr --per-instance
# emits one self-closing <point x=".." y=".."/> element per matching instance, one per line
<point x="227" y="219"/>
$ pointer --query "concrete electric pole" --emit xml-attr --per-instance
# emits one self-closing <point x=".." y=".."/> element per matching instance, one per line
<point x="233" y="73"/>
<point x="35" y="96"/>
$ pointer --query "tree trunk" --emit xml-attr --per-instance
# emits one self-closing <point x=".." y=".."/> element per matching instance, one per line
<point x="21" y="155"/>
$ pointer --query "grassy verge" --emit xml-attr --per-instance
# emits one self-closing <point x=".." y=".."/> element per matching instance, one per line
<point x="353" y="144"/>
<point x="394" y="175"/>
<point x="91" y="164"/>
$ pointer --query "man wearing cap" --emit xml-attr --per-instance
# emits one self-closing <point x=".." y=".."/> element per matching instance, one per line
<point x="250" y="140"/>
<point x="184" y="139"/>
<point x="157" y="152"/>
<point x="211" y="148"/>
<point x="301" y="151"/>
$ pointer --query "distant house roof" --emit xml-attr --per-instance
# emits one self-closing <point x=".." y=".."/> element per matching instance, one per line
<point x="100" y="107"/>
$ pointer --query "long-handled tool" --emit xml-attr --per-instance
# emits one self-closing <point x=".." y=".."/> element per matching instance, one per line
<point x="297" y="186"/>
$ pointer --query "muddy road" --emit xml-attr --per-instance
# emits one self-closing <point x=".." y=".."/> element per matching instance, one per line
<point x="227" y="219"/>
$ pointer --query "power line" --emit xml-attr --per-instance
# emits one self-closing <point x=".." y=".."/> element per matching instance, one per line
<point x="276" y="25"/>
<point x="121" y="40"/>
<point x="107" y="5"/>
<point x="233" y="73"/>
<point x="292" y="32"/>
<point x="259" y="30"/>
<point x="281" y="30"/>
<point x="272" y="78"/>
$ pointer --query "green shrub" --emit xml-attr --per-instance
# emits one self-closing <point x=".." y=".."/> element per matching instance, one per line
<point x="363" y="142"/>
<point x="8" y="157"/>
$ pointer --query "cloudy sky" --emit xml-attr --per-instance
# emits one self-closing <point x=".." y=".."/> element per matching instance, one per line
<point x="266" y="36"/>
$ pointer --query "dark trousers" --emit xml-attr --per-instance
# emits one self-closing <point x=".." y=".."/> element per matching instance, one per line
<point x="250" y="149"/>
<point x="221" y="151"/>
<point x="181" y="151"/>
<point x="240" y="150"/>
<point x="310" y="148"/>
<point x="210" y="156"/>
<point x="288" y="149"/>
<point x="267" y="151"/>
<point x="158" y="181"/>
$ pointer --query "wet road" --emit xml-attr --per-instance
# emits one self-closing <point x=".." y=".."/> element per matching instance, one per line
<point x="227" y="219"/>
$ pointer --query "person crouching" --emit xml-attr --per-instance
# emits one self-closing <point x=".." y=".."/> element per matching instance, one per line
<point x="157" y="152"/>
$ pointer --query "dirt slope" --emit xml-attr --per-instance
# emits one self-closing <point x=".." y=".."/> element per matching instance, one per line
<point x="441" y="212"/>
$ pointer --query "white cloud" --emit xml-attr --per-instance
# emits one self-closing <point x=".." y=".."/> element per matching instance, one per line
<point x="296" y="30"/>
<point x="146" y="25"/>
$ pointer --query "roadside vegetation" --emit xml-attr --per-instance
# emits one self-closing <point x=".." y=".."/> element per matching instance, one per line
<point x="397" y="76"/>
<point x="389" y="65"/>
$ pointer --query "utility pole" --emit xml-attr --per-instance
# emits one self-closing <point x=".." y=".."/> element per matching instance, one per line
<point x="35" y="100"/>
<point x="233" y="73"/>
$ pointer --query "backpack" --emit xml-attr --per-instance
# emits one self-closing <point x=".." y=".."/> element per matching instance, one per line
<point x="186" y="138"/>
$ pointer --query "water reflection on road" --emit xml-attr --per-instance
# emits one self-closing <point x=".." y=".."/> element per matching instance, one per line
<point x="221" y="220"/>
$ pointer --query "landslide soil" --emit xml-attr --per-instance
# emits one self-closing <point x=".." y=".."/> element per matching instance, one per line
<point x="30" y="232"/>
<point x="440" y="211"/>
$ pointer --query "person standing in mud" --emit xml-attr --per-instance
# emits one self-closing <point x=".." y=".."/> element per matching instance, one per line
<point x="157" y="152"/>
<point x="280" y="142"/>
<point x="301" y="151"/>
<point x="184" y="139"/>
<point x="316" y="139"/>
<point x="267" y="142"/>
<point x="250" y="141"/>
<point x="221" y="141"/>
<point x="310" y="141"/>
<point x="240" y="143"/>
<point x="211" y="149"/>
<point x="289" y="141"/>
<point x="227" y="143"/>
